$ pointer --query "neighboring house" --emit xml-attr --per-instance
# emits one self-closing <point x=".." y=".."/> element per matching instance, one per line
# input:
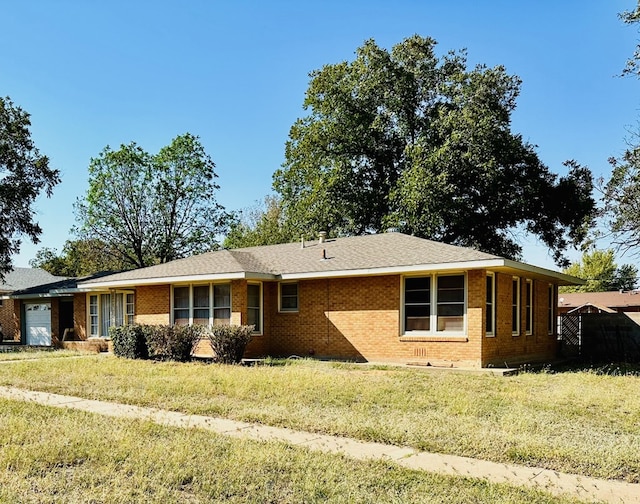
<point x="599" y="302"/>
<point x="35" y="313"/>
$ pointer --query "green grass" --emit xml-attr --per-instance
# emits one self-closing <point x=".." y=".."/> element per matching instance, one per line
<point x="578" y="422"/>
<point x="20" y="353"/>
<point x="59" y="456"/>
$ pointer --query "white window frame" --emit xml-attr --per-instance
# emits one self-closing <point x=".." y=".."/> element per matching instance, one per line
<point x="212" y="306"/>
<point x="528" y="302"/>
<point x="288" y="310"/>
<point x="490" y="306"/>
<point x="259" y="307"/>
<point x="517" y="293"/>
<point x="128" y="311"/>
<point x="433" y="304"/>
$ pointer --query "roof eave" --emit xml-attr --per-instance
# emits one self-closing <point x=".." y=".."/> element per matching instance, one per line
<point x="212" y="277"/>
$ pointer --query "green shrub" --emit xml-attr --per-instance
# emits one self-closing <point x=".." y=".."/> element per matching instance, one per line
<point x="173" y="342"/>
<point x="129" y="341"/>
<point x="229" y="342"/>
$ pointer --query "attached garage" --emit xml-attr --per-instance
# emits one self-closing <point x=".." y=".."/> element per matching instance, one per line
<point x="38" y="323"/>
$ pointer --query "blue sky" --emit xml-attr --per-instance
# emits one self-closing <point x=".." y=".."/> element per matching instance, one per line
<point x="93" y="74"/>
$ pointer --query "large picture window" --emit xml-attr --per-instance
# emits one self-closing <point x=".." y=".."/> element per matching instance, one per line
<point x="109" y="309"/>
<point x="434" y="310"/>
<point x="202" y="304"/>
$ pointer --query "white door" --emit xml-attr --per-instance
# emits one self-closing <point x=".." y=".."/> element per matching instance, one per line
<point x="38" y="323"/>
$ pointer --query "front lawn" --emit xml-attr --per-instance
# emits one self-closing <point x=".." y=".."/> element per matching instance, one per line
<point x="577" y="422"/>
<point x="61" y="456"/>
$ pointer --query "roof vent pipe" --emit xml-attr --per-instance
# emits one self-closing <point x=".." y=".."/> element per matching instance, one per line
<point x="302" y="242"/>
<point x="322" y="236"/>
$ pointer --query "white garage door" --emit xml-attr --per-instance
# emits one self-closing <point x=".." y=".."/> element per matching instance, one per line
<point x="38" y="323"/>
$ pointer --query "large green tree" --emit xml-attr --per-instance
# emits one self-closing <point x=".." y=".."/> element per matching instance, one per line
<point x="24" y="175"/>
<point x="632" y="17"/>
<point x="410" y="140"/>
<point x="261" y="224"/>
<point x="152" y="209"/>
<point x="621" y="193"/>
<point x="601" y="273"/>
<point x="79" y="258"/>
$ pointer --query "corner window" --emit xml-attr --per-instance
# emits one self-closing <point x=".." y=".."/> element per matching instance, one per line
<point x="254" y="307"/>
<point x="515" y="306"/>
<point x="288" y="297"/>
<point x="434" y="310"/>
<point x="106" y="310"/>
<point x="528" y="306"/>
<point x="490" y="314"/>
<point x="202" y="304"/>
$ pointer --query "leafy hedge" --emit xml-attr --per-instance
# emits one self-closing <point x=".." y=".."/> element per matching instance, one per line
<point x="229" y="342"/>
<point x="129" y="341"/>
<point x="173" y="342"/>
<point x="177" y="343"/>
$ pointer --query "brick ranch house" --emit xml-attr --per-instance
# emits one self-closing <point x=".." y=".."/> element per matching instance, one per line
<point x="386" y="297"/>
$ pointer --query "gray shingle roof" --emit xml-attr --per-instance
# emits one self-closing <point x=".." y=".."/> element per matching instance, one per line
<point x="24" y="278"/>
<point x="387" y="250"/>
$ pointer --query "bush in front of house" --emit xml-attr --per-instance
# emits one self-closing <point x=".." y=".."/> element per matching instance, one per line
<point x="129" y="341"/>
<point x="229" y="342"/>
<point x="173" y="342"/>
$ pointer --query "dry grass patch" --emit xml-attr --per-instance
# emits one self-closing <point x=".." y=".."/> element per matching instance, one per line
<point x="60" y="456"/>
<point x="577" y="422"/>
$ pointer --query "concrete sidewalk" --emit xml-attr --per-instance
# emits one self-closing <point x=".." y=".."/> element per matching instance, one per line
<point x="553" y="482"/>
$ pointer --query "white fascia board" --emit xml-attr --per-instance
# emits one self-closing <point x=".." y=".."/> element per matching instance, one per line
<point x="497" y="263"/>
<point x="87" y="286"/>
<point x="394" y="270"/>
<point x="563" y="278"/>
<point x="37" y="296"/>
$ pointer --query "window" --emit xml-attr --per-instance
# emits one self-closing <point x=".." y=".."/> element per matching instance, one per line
<point x="202" y="304"/>
<point x="289" y="297"/>
<point x="490" y="314"/>
<point x="451" y="303"/>
<point x="417" y="304"/>
<point x="515" y="306"/>
<point x="109" y="309"/>
<point x="528" y="324"/>
<point x="550" y="309"/>
<point x="181" y="305"/>
<point x="221" y="304"/>
<point x="254" y="307"/>
<point x="440" y="309"/>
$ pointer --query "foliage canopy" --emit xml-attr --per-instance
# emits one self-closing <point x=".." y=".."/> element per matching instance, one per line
<point x="410" y="140"/>
<point x="601" y="273"/>
<point x="152" y="209"/>
<point x="24" y="175"/>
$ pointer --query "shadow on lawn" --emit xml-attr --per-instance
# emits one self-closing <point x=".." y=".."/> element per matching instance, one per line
<point x="586" y="366"/>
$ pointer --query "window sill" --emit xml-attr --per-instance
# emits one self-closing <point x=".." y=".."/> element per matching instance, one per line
<point x="435" y="338"/>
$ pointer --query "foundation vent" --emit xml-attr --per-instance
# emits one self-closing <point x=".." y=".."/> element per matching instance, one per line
<point x="420" y="352"/>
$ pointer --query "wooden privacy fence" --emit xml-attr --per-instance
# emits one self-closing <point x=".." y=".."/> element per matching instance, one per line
<point x="613" y="337"/>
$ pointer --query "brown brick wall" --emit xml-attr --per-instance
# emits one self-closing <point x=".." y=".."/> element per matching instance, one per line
<point x="9" y="321"/>
<point x="507" y="349"/>
<point x="80" y="316"/>
<point x="153" y="304"/>
<point x="359" y="318"/>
